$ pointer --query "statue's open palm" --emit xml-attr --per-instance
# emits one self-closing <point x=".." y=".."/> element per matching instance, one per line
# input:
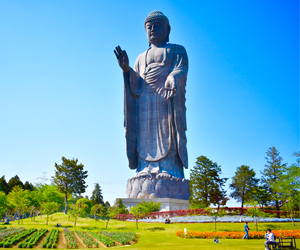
<point x="122" y="59"/>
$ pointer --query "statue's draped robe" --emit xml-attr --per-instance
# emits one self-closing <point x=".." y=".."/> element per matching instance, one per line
<point x="155" y="126"/>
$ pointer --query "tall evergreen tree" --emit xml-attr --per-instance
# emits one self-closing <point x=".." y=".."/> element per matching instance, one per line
<point x="4" y="186"/>
<point x="28" y="186"/>
<point x="97" y="197"/>
<point x="243" y="184"/>
<point x="271" y="175"/>
<point x="206" y="185"/>
<point x="70" y="178"/>
<point x="15" y="181"/>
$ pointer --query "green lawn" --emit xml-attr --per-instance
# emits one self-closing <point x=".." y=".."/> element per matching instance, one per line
<point x="161" y="236"/>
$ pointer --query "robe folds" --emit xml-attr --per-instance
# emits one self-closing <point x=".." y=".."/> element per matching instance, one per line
<point x="155" y="126"/>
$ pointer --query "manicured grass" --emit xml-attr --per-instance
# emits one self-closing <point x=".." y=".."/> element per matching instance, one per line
<point x="162" y="236"/>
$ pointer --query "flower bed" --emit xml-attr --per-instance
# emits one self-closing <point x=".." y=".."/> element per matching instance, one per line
<point x="238" y="235"/>
<point x="123" y="238"/>
<point x="227" y="218"/>
<point x="51" y="239"/>
<point x="70" y="240"/>
<point x="9" y="241"/>
<point x="106" y="241"/>
<point x="87" y="240"/>
<point x="32" y="239"/>
<point x="200" y="211"/>
<point x="9" y="231"/>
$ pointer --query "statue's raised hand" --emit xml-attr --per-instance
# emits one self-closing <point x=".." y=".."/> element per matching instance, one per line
<point x="122" y="59"/>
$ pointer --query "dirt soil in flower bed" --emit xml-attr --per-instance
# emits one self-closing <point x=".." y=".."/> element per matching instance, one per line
<point x="61" y="240"/>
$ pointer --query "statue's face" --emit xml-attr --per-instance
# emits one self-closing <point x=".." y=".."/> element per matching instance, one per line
<point x="157" y="31"/>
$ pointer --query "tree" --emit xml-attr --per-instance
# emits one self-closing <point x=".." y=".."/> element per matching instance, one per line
<point x="70" y="178"/>
<point x="49" y="208"/>
<point x="77" y="210"/>
<point x="3" y="203"/>
<point x="100" y="210"/>
<point x="15" y="181"/>
<point x="288" y="186"/>
<point x="260" y="195"/>
<point x="215" y="213"/>
<point x="139" y="212"/>
<point x="28" y="186"/>
<point x="271" y="175"/>
<point x="255" y="212"/>
<point x="117" y="208"/>
<point x="87" y="202"/>
<point x="4" y="186"/>
<point x="97" y="197"/>
<point x="107" y="204"/>
<point x="206" y="186"/>
<point x="19" y="198"/>
<point x="243" y="184"/>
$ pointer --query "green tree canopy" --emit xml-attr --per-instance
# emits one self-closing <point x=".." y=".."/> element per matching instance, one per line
<point x="15" y="181"/>
<point x="288" y="186"/>
<point x="4" y="186"/>
<point x="70" y="178"/>
<point x="87" y="202"/>
<point x="77" y="210"/>
<point x="28" y="186"/>
<point x="206" y="185"/>
<point x="97" y="197"/>
<point x="271" y="175"/>
<point x="3" y="203"/>
<point x="243" y="184"/>
<point x="142" y="209"/>
<point x="49" y="208"/>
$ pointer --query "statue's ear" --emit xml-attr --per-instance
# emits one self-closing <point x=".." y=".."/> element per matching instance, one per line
<point x="167" y="40"/>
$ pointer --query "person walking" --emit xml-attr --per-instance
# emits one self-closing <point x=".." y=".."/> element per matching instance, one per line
<point x="246" y="231"/>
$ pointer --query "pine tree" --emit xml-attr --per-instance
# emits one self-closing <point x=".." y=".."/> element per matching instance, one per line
<point x="271" y="174"/>
<point x="206" y="186"/>
<point x="97" y="197"/>
<point x="28" y="186"/>
<point x="15" y="181"/>
<point x="243" y="184"/>
<point x="70" y="178"/>
<point x="4" y="186"/>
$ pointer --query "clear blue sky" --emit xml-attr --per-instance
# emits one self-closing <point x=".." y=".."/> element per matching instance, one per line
<point x="61" y="89"/>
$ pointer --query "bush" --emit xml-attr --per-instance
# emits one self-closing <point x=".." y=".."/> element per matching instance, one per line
<point x="6" y="245"/>
<point x="44" y="245"/>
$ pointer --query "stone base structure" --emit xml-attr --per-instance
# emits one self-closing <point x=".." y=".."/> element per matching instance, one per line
<point x="167" y="204"/>
<point x="162" y="187"/>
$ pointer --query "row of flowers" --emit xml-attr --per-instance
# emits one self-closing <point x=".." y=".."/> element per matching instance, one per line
<point x="199" y="211"/>
<point x="238" y="235"/>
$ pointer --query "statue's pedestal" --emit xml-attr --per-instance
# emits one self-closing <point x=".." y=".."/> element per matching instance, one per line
<point x="150" y="186"/>
<point x="167" y="204"/>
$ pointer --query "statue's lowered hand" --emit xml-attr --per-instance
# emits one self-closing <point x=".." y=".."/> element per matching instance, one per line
<point x="170" y="87"/>
<point x="122" y="59"/>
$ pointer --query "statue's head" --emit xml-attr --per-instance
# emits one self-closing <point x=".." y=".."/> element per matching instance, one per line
<point x="157" y="27"/>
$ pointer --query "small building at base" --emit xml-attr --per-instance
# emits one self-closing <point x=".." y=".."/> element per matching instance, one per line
<point x="167" y="204"/>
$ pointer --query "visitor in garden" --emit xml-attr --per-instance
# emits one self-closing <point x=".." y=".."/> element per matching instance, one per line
<point x="271" y="239"/>
<point x="6" y="221"/>
<point x="246" y="231"/>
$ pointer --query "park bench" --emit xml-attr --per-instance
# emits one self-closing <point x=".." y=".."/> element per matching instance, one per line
<point x="283" y="243"/>
<point x="287" y="243"/>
